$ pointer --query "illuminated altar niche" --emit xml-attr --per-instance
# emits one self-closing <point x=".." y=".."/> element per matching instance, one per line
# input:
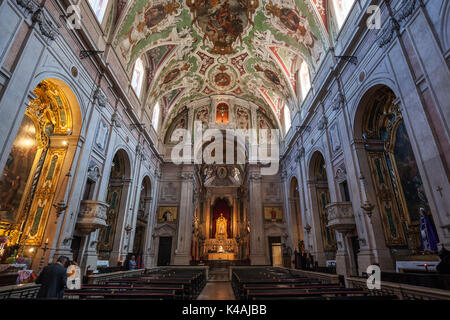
<point x="222" y="247"/>
<point x="222" y="112"/>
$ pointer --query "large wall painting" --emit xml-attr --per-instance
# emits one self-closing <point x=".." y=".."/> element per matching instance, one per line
<point x="17" y="170"/>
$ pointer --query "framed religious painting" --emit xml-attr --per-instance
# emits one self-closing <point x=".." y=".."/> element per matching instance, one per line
<point x="273" y="214"/>
<point x="167" y="214"/>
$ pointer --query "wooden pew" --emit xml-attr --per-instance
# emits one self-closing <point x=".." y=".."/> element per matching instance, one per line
<point x="295" y="293"/>
<point x="155" y="284"/>
<point x="111" y="294"/>
<point x="179" y="289"/>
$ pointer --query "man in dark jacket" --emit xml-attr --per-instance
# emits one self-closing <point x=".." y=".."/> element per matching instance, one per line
<point x="53" y="279"/>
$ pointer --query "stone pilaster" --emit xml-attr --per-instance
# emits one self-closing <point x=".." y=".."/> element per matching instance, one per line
<point x="186" y="213"/>
<point x="257" y="238"/>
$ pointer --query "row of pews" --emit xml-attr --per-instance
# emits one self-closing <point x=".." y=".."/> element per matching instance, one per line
<point x="161" y="284"/>
<point x="282" y="284"/>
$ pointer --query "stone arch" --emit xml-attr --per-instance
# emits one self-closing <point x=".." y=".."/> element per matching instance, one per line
<point x="125" y="151"/>
<point x="363" y="97"/>
<point x="310" y="157"/>
<point x="111" y="238"/>
<point x="72" y="94"/>
<point x="325" y="238"/>
<point x="393" y="182"/>
<point x="142" y="219"/>
<point x="445" y="26"/>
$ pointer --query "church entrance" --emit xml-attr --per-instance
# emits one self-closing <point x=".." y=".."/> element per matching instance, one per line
<point x="164" y="251"/>
<point x="276" y="259"/>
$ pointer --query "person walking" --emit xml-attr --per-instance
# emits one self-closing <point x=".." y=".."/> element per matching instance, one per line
<point x="53" y="279"/>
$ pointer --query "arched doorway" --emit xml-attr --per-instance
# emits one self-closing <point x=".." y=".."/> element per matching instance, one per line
<point x="32" y="184"/>
<point x="142" y="220"/>
<point x="396" y="180"/>
<point x="320" y="197"/>
<point x="119" y="183"/>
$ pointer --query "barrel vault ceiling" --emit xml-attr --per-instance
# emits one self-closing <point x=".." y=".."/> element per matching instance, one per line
<point x="250" y="49"/>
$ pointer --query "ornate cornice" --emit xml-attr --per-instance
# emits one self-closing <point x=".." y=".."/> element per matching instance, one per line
<point x="387" y="33"/>
<point x="338" y="102"/>
<point x="29" y="5"/>
<point x="48" y="28"/>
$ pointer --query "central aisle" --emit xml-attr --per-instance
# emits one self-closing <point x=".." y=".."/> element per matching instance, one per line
<point x="218" y="286"/>
<point x="217" y="291"/>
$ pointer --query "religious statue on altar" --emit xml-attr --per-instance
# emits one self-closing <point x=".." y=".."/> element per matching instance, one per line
<point x="221" y="227"/>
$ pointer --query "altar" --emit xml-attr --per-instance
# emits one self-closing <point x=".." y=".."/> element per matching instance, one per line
<point x="221" y="256"/>
<point x="221" y="247"/>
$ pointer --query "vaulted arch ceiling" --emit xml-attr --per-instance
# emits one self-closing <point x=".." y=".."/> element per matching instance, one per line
<point x="246" y="48"/>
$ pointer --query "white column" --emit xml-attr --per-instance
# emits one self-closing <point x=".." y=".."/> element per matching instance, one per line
<point x="186" y="213"/>
<point x="257" y="237"/>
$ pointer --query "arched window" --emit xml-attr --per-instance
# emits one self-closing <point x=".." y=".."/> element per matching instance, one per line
<point x="155" y="118"/>
<point x="341" y="9"/>
<point x="99" y="8"/>
<point x="287" y="118"/>
<point x="305" y="81"/>
<point x="138" y="76"/>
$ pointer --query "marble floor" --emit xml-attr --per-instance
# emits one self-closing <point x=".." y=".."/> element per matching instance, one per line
<point x="217" y="291"/>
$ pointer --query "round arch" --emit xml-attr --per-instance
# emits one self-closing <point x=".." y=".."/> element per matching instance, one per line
<point x="360" y="106"/>
<point x="69" y="89"/>
<point x="313" y="154"/>
<point x="124" y="152"/>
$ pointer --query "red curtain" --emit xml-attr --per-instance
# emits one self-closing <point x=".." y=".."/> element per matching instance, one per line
<point x="221" y="206"/>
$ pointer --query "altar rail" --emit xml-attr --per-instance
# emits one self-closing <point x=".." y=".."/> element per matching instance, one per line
<point x="402" y="291"/>
<point x="22" y="291"/>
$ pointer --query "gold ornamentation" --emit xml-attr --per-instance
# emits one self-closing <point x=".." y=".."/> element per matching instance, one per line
<point x="51" y="114"/>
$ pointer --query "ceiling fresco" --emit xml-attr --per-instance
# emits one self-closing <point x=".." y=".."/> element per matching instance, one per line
<point x="251" y="49"/>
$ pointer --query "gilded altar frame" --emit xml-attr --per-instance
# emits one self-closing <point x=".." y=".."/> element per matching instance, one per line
<point x="51" y="115"/>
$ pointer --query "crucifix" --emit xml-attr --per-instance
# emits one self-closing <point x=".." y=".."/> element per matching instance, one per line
<point x="439" y="189"/>
<point x="222" y="108"/>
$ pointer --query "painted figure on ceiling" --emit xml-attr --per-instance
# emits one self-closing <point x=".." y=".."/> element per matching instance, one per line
<point x="298" y="26"/>
<point x="174" y="73"/>
<point x="143" y="25"/>
<point x="222" y="21"/>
